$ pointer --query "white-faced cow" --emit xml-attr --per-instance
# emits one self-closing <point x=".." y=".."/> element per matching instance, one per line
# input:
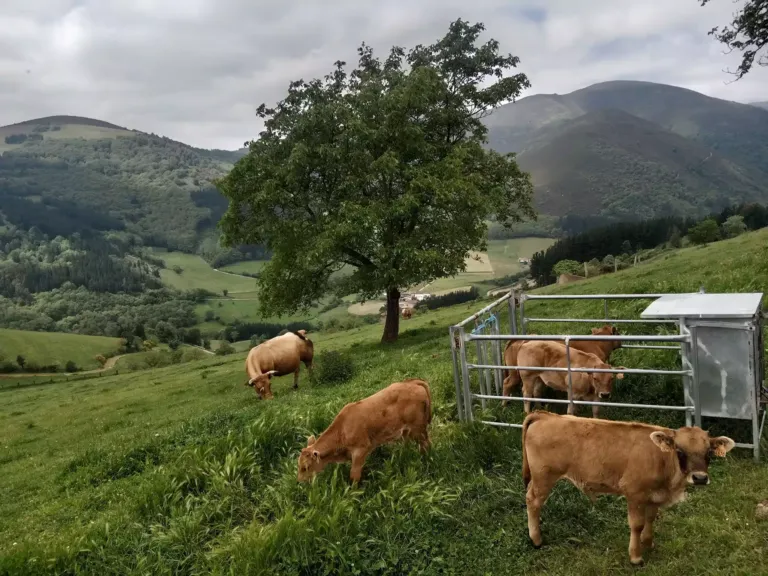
<point x="649" y="465"/>
<point x="278" y="356"/>
<point x="402" y="410"/>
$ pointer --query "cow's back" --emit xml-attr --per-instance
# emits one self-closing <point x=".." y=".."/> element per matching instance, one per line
<point x="598" y="456"/>
<point x="281" y="353"/>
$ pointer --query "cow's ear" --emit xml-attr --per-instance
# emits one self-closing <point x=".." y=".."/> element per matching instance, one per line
<point x="316" y="455"/>
<point x="721" y="445"/>
<point x="620" y="375"/>
<point x="664" y="440"/>
<point x="595" y="331"/>
<point x="311" y="440"/>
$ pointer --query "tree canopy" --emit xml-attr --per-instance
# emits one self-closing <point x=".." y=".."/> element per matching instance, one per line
<point x="747" y="33"/>
<point x="382" y="170"/>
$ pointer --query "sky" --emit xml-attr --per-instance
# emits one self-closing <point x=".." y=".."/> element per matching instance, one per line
<point x="195" y="70"/>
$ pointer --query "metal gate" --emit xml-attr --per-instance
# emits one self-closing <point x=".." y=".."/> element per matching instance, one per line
<point x="743" y="398"/>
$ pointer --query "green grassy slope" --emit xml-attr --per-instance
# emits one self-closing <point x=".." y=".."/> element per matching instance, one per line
<point x="197" y="273"/>
<point x="44" y="348"/>
<point x="182" y="470"/>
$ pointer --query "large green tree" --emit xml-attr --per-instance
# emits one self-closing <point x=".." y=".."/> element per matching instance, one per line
<point x="747" y="33"/>
<point x="382" y="171"/>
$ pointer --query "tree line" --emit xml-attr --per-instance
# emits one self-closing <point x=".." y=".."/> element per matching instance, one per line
<point x="630" y="237"/>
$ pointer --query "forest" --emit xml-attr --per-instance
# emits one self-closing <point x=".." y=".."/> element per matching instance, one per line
<point x="630" y="237"/>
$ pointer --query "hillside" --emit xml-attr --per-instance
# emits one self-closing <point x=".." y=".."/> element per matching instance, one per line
<point x="738" y="133"/>
<point x="152" y="186"/>
<point x="611" y="163"/>
<point x="45" y="349"/>
<point x="760" y="104"/>
<point x="181" y="470"/>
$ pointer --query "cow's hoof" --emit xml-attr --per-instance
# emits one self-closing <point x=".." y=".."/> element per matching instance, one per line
<point x="636" y="562"/>
<point x="295" y="386"/>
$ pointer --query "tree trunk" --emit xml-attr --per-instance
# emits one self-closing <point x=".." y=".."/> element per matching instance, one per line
<point x="392" y="323"/>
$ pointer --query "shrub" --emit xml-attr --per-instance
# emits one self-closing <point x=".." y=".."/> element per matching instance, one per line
<point x="568" y="267"/>
<point x="70" y="366"/>
<point x="225" y="349"/>
<point x="7" y="367"/>
<point x="450" y="299"/>
<point x="704" y="232"/>
<point x="333" y="367"/>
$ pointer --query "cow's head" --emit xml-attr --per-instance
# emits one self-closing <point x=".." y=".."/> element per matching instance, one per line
<point x="263" y="384"/>
<point x="310" y="461"/>
<point x="608" y="330"/>
<point x="602" y="382"/>
<point x="694" y="448"/>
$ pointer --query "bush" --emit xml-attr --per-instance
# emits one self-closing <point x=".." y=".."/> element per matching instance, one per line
<point x="70" y="366"/>
<point x="7" y="367"/>
<point x="568" y="267"/>
<point x="704" y="232"/>
<point x="333" y="367"/>
<point x="225" y="349"/>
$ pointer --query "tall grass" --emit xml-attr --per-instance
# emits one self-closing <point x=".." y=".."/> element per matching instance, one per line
<point x="181" y="470"/>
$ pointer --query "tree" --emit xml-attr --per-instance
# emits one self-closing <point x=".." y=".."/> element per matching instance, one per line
<point x="568" y="267"/>
<point x="626" y="247"/>
<point x="382" y="169"/>
<point x="225" y="292"/>
<point x="704" y="232"/>
<point x="734" y="226"/>
<point x="747" y="33"/>
<point x="675" y="238"/>
<point x="21" y="361"/>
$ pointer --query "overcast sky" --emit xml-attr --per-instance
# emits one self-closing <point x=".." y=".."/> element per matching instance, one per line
<point x="195" y="70"/>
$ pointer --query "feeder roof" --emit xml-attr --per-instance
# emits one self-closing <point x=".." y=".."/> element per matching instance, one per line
<point x="731" y="305"/>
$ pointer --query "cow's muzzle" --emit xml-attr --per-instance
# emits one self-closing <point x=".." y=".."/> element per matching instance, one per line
<point x="604" y="395"/>
<point x="700" y="478"/>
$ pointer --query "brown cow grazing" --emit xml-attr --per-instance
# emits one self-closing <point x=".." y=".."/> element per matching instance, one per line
<point x="586" y="385"/>
<point x="278" y="356"/>
<point x="401" y="410"/>
<point x="601" y="349"/>
<point x="407" y="313"/>
<point x="649" y="465"/>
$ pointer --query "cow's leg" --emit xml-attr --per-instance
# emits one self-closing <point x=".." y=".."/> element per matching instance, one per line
<point x="424" y="442"/>
<point x="511" y="382"/>
<point x="309" y="370"/>
<point x="296" y="377"/>
<point x="595" y="407"/>
<point x="537" y="494"/>
<point x="527" y="393"/>
<point x="636" y="519"/>
<point x="646" y="536"/>
<point x="538" y="392"/>
<point x="358" y="459"/>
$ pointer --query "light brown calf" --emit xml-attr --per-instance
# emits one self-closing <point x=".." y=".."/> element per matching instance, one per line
<point x="401" y="410"/>
<point x="600" y="349"/>
<point x="649" y="465"/>
<point x="278" y="356"/>
<point x="407" y="313"/>
<point x="589" y="386"/>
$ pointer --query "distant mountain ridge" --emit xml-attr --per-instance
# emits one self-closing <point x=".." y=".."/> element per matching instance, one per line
<point x="585" y="162"/>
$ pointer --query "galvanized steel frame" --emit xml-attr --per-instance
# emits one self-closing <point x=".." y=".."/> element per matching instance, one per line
<point x="492" y="373"/>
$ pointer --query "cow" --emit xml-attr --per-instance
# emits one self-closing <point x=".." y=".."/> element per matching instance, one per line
<point x="600" y="348"/>
<point x="401" y="410"/>
<point x="407" y="313"/>
<point x="548" y="354"/>
<point x="650" y="466"/>
<point x="278" y="356"/>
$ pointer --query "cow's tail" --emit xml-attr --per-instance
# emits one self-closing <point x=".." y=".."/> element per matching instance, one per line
<point x="428" y="406"/>
<point x="530" y="419"/>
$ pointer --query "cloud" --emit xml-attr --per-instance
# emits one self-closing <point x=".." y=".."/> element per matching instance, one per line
<point x="195" y="70"/>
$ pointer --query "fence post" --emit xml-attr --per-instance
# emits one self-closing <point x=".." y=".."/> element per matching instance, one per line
<point x="571" y="405"/>
<point x="522" y="313"/>
<point x="456" y="369"/>
<point x="465" y="374"/>
<point x="496" y="347"/>
<point x="512" y="312"/>
<point x="481" y="360"/>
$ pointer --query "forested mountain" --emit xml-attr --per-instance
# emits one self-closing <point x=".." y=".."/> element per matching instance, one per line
<point x="692" y="154"/>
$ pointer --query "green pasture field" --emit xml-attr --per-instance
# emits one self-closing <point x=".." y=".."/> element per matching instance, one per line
<point x="45" y="348"/>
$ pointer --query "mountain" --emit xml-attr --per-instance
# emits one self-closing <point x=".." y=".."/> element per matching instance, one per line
<point x="683" y="151"/>
<point x="760" y="104"/>
<point x="611" y="163"/>
<point x="57" y="169"/>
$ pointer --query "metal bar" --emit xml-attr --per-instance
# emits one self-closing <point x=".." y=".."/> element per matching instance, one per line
<point x="481" y="376"/>
<point x="580" y="337"/>
<point x="523" y="320"/>
<point x="756" y="399"/>
<point x="743" y="445"/>
<point x="603" y="370"/>
<point x="456" y="369"/>
<point x="501" y="424"/>
<point x="687" y="380"/>
<point x="597" y="296"/>
<point x="588" y="403"/>
<point x="484" y="310"/>
<point x="512" y="313"/>
<point x="496" y="347"/>
<point x="695" y="376"/>
<point x="465" y="374"/>
<point x="571" y="409"/>
<point x="599" y="320"/>
<point x="652" y="347"/>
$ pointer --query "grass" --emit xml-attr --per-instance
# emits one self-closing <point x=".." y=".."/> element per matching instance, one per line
<point x="505" y="253"/>
<point x="249" y="267"/>
<point x="181" y="470"/>
<point x="68" y="131"/>
<point x="45" y="348"/>
<point x="196" y="273"/>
